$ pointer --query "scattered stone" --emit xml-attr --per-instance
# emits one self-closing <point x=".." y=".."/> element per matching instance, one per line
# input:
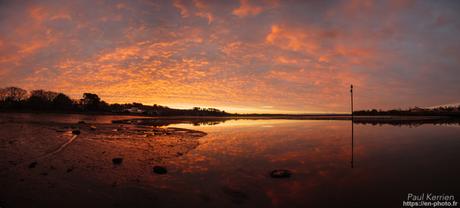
<point x="69" y="169"/>
<point x="179" y="153"/>
<point x="76" y="132"/>
<point x="33" y="164"/>
<point x="93" y="128"/>
<point x="117" y="160"/>
<point x="81" y="122"/>
<point x="160" y="170"/>
<point x="280" y="173"/>
<point x="115" y="130"/>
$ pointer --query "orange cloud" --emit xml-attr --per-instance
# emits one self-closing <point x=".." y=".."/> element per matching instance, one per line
<point x="61" y="16"/>
<point x="203" y="11"/>
<point x="181" y="7"/>
<point x="246" y="9"/>
<point x="37" y="13"/>
<point x="286" y="60"/>
<point x="292" y="39"/>
<point x="120" y="54"/>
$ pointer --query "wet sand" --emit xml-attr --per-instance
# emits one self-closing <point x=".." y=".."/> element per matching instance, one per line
<point x="44" y="164"/>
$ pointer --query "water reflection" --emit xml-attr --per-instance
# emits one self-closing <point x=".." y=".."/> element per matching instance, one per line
<point x="352" y="142"/>
<point x="231" y="165"/>
<point x="393" y="161"/>
<point x="407" y="121"/>
<point x="227" y="121"/>
<point x="158" y="122"/>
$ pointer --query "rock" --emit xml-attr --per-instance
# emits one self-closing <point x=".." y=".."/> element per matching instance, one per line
<point x="198" y="134"/>
<point x="76" y="132"/>
<point x="81" y="122"/>
<point x="117" y="160"/>
<point x="92" y="128"/>
<point x="33" y="164"/>
<point x="280" y="173"/>
<point x="160" y="170"/>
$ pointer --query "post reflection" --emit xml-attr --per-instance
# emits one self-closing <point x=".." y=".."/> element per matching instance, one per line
<point x="352" y="143"/>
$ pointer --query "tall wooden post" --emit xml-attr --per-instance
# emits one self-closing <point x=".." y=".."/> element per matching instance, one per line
<point x="351" y="93"/>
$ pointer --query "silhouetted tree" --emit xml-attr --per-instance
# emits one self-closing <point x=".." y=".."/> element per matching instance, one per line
<point x="12" y="97"/>
<point x="13" y="94"/>
<point x="90" y="102"/>
<point x="415" y="111"/>
<point x="103" y="106"/>
<point x="62" y="102"/>
<point x="41" y="99"/>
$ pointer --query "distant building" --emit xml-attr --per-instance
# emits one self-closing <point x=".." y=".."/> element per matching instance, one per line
<point x="135" y="110"/>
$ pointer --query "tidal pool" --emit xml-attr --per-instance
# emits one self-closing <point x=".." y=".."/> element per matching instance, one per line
<point x="379" y="166"/>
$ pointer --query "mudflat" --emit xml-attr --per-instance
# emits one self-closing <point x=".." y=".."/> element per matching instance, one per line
<point x="84" y="163"/>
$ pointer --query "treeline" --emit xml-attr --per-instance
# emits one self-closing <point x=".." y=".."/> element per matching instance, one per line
<point x="17" y="99"/>
<point x="408" y="122"/>
<point x="416" y="111"/>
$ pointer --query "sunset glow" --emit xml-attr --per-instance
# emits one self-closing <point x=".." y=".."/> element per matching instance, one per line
<point x="266" y="56"/>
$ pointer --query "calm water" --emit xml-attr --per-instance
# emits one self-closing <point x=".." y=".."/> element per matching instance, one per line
<point x="377" y="167"/>
<point x="388" y="162"/>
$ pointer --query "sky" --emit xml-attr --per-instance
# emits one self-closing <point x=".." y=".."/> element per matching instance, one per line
<point x="265" y="56"/>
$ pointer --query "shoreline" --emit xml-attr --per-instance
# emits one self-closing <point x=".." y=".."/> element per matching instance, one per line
<point x="162" y="121"/>
<point x="249" y="116"/>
